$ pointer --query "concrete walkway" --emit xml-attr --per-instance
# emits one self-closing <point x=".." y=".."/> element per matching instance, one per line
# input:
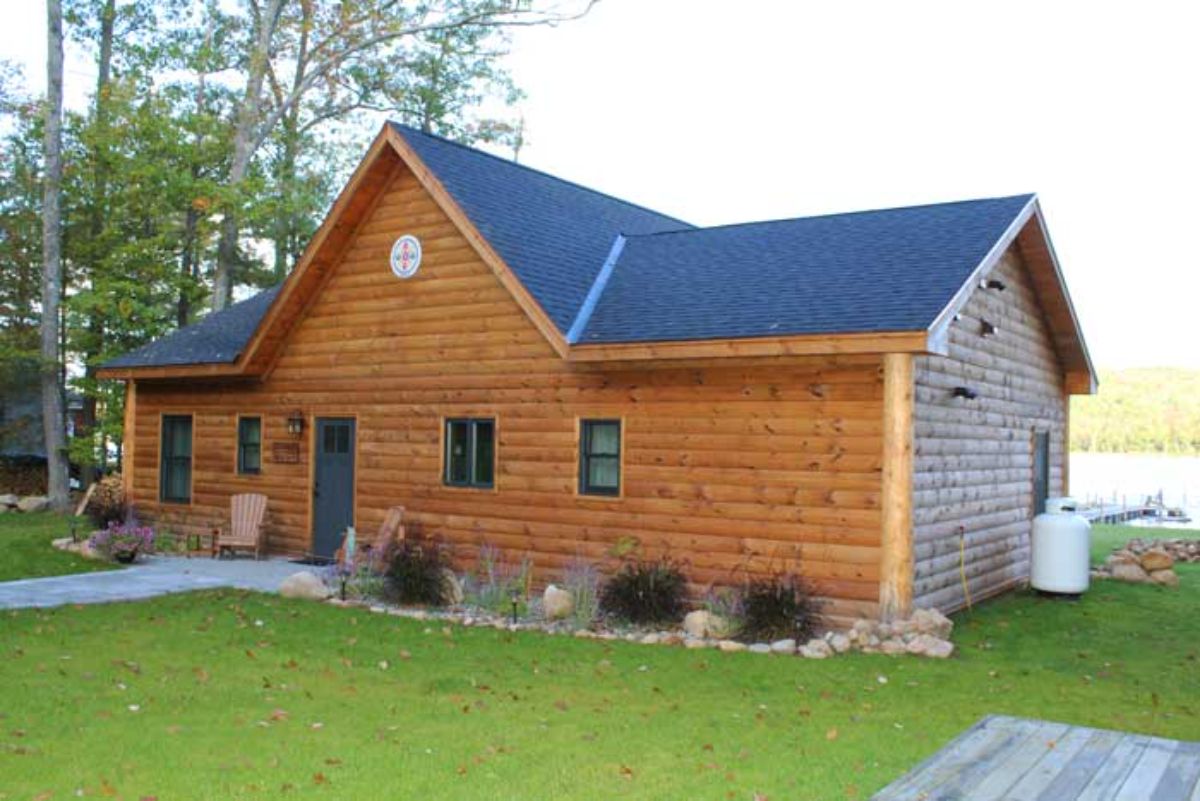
<point x="157" y="575"/>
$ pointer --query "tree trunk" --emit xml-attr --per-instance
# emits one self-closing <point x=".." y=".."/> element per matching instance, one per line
<point x="52" y="400"/>
<point x="108" y="16"/>
<point x="245" y="129"/>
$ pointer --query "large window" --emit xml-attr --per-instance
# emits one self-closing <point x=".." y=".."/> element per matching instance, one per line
<point x="600" y="457"/>
<point x="470" y="452"/>
<point x="175" y="464"/>
<point x="249" y="446"/>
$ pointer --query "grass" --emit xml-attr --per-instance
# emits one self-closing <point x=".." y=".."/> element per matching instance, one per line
<point x="1106" y="539"/>
<point x="25" y="550"/>
<point x="238" y="695"/>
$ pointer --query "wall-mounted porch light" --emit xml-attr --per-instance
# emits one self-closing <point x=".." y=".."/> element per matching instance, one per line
<point x="993" y="283"/>
<point x="966" y="393"/>
<point x="295" y="423"/>
<point x="987" y="329"/>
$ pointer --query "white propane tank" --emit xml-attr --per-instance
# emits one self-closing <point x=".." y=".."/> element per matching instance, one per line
<point x="1060" y="557"/>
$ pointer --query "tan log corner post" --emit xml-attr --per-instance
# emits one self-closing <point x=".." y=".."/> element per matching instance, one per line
<point x="127" y="440"/>
<point x="896" y="496"/>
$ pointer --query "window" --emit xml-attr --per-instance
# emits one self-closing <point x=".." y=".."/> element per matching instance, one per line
<point x="175" y="464"/>
<point x="470" y="453"/>
<point x="249" y="446"/>
<point x="600" y="457"/>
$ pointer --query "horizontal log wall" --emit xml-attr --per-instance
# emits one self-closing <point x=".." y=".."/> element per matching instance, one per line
<point x="973" y="469"/>
<point x="770" y="464"/>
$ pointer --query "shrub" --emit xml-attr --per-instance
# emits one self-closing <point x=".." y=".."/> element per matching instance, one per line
<point x="494" y="582"/>
<point x="777" y="608"/>
<point x="582" y="580"/>
<point x="418" y="573"/>
<point x="107" y="504"/>
<point x="123" y="541"/>
<point x="646" y="591"/>
<point x="360" y="577"/>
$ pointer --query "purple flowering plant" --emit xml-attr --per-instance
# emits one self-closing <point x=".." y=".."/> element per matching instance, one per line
<point x="123" y="541"/>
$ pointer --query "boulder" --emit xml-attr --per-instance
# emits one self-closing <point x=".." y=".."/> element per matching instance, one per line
<point x="33" y="503"/>
<point x="928" y="645"/>
<point x="893" y="646"/>
<point x="815" y="649"/>
<point x="454" y="588"/>
<point x="931" y="621"/>
<point x="1166" y="577"/>
<point x="304" y="584"/>
<point x="9" y="500"/>
<point x="785" y="646"/>
<point x="1124" y="571"/>
<point x="731" y="646"/>
<point x="1156" y="559"/>
<point x="1121" y="557"/>
<point x="557" y="603"/>
<point x="839" y="643"/>
<point x="693" y="643"/>
<point x="650" y="639"/>
<point x="705" y="624"/>
<point x="759" y="648"/>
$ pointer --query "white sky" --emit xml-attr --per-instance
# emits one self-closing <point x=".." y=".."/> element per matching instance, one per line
<point x="719" y="112"/>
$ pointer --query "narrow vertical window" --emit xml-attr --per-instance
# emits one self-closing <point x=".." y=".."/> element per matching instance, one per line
<point x="249" y="446"/>
<point x="600" y="457"/>
<point x="470" y="453"/>
<point x="175" y="462"/>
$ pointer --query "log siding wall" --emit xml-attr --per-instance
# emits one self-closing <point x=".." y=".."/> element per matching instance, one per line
<point x="973" y="464"/>
<point x="761" y="465"/>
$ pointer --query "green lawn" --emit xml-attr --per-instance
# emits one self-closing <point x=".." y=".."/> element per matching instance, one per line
<point x="25" y="550"/>
<point x="238" y="695"/>
<point x="1105" y="539"/>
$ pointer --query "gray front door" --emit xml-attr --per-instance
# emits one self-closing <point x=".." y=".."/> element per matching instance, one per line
<point x="333" y="483"/>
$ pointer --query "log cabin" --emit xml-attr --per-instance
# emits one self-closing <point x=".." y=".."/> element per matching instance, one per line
<point x="876" y="401"/>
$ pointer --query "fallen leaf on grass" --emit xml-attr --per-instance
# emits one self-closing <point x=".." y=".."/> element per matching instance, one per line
<point x="319" y="778"/>
<point x="626" y="772"/>
<point x="832" y="734"/>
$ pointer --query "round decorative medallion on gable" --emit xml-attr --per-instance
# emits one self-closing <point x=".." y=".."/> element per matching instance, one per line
<point x="406" y="256"/>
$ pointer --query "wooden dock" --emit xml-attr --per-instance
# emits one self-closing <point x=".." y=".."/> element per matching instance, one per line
<point x="1003" y="758"/>
<point x="1116" y="513"/>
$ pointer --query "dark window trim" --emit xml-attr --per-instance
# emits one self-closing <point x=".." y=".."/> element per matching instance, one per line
<point x="472" y="424"/>
<point x="242" y="470"/>
<point x="586" y="457"/>
<point x="169" y="462"/>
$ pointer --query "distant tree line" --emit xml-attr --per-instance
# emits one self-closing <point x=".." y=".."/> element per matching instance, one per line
<point x="1143" y="410"/>
<point x="215" y="136"/>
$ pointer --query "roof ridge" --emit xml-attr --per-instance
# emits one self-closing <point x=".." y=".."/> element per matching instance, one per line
<point x="407" y="128"/>
<point x="748" y="223"/>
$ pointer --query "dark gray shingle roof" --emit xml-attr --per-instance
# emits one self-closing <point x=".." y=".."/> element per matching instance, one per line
<point x="216" y="339"/>
<point x="890" y="270"/>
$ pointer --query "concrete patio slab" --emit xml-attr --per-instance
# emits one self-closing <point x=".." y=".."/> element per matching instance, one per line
<point x="157" y="575"/>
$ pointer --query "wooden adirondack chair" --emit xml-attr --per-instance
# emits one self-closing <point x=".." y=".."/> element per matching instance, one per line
<point x="246" y="526"/>
<point x="390" y="530"/>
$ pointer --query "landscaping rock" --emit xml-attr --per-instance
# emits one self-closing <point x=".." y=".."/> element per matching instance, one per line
<point x="8" y="500"/>
<point x="557" y="603"/>
<point x="1166" y="577"/>
<point x="304" y="584"/>
<point x="703" y="623"/>
<point x="893" y="646"/>
<point x="650" y="639"/>
<point x="693" y="642"/>
<point x="759" y="648"/>
<point x="931" y="621"/>
<point x="931" y="646"/>
<point x="1156" y="559"/>
<point x="33" y="503"/>
<point x="1121" y="558"/>
<point x="731" y="646"/>
<point x="787" y="646"/>
<point x="816" y="649"/>
<point x="454" y="588"/>
<point x="840" y="643"/>
<point x="1124" y="571"/>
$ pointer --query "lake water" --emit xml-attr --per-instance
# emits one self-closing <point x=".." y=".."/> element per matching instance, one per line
<point x="1132" y="477"/>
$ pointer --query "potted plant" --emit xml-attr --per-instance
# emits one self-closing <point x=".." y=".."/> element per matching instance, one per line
<point x="122" y="542"/>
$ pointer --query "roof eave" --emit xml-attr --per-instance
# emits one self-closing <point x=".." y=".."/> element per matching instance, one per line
<point x="873" y="342"/>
